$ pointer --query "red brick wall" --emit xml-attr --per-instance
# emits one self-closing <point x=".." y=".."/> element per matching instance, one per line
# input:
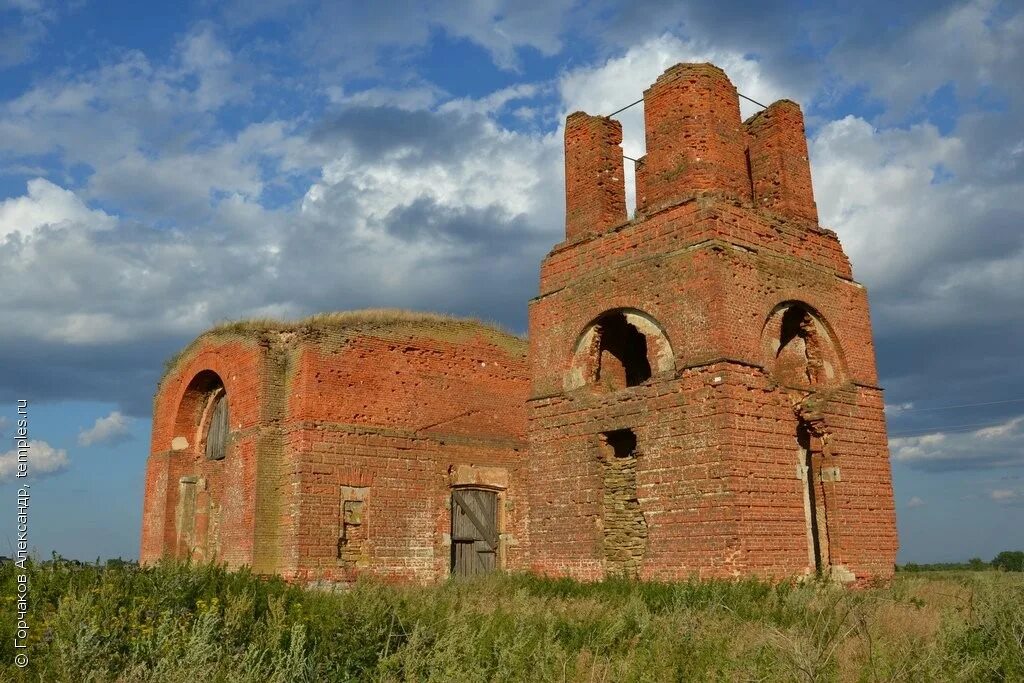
<point x="396" y="415"/>
<point x="393" y="411"/>
<point x="595" y="190"/>
<point x="695" y="140"/>
<point x="230" y="483"/>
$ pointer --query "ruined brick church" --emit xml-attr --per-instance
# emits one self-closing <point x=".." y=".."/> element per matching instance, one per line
<point x="698" y="395"/>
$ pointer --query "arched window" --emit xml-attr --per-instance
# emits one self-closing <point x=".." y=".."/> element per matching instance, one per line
<point x="803" y="352"/>
<point x="203" y="422"/>
<point x="621" y="359"/>
<point x="620" y="348"/>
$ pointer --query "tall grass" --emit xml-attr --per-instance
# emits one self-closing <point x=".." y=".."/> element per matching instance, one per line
<point x="178" y="623"/>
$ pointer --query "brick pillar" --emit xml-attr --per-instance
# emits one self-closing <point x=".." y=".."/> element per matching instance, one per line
<point x="695" y="139"/>
<point x="154" y="509"/>
<point x="779" y="167"/>
<point x="595" y="190"/>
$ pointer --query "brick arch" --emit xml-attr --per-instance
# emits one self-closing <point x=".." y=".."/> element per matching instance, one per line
<point x="192" y="417"/>
<point x="196" y="484"/>
<point x="649" y="342"/>
<point x="800" y="348"/>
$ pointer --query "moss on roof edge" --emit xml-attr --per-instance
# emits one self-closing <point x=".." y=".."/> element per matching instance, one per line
<point x="353" y="322"/>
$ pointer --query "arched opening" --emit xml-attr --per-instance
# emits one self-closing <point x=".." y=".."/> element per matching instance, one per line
<point x="621" y="354"/>
<point x="203" y="406"/>
<point x="619" y="349"/>
<point x="201" y="441"/>
<point x="803" y="353"/>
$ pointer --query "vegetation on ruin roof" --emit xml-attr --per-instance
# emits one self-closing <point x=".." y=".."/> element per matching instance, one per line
<point x="370" y="321"/>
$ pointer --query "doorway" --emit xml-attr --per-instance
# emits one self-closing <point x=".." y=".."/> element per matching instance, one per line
<point x="475" y="538"/>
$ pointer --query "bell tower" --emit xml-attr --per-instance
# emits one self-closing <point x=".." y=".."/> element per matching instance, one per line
<point x="704" y="396"/>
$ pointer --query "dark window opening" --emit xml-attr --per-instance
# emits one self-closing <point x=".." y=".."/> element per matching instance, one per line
<point x="622" y="354"/>
<point x="622" y="442"/>
<point x="217" y="429"/>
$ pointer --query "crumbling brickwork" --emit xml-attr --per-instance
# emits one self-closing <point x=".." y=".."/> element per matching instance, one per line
<point x="760" y="439"/>
<point x="701" y="397"/>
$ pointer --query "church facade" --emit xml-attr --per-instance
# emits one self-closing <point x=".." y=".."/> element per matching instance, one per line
<point x="697" y="396"/>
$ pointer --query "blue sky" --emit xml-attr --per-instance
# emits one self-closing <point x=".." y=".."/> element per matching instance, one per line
<point x="163" y="169"/>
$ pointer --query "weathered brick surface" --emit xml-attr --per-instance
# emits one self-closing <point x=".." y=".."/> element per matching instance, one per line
<point x="701" y="396"/>
<point x="695" y="139"/>
<point x="595" y="190"/>
<point x="770" y="338"/>
<point x="400" y="410"/>
<point x="779" y="169"/>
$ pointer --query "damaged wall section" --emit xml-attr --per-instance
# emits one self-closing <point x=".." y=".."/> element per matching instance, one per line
<point x="625" y="528"/>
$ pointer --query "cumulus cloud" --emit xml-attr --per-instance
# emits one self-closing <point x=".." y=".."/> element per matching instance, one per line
<point x="937" y="243"/>
<point x="106" y="431"/>
<point x="389" y="205"/>
<point x="1002" y="495"/>
<point x="915" y="502"/>
<point x="969" y="46"/>
<point x="995" y="446"/>
<point x="48" y="204"/>
<point x="43" y="460"/>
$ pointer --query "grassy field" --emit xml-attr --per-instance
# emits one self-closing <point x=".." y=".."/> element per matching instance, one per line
<point x="176" y="623"/>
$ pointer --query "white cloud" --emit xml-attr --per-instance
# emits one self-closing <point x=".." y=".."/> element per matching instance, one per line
<point x="995" y="446"/>
<point x="106" y="431"/>
<point x="915" y="502"/>
<point x="48" y="204"/>
<point x="1002" y="495"/>
<point x="206" y="58"/>
<point x="494" y="102"/>
<point x="971" y="45"/>
<point x="929" y="246"/>
<point x="502" y="27"/>
<point x="43" y="459"/>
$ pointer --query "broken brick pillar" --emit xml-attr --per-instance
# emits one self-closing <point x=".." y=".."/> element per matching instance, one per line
<point x="695" y="140"/>
<point x="595" y="191"/>
<point x="779" y="168"/>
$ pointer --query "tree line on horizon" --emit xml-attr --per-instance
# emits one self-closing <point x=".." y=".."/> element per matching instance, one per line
<point x="1007" y="561"/>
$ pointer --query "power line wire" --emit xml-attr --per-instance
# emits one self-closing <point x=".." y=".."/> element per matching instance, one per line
<point x="750" y="99"/>
<point x="900" y="411"/>
<point x="951" y="428"/>
<point x="633" y="104"/>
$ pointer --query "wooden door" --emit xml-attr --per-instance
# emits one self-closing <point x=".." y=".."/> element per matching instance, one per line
<point x="474" y="531"/>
